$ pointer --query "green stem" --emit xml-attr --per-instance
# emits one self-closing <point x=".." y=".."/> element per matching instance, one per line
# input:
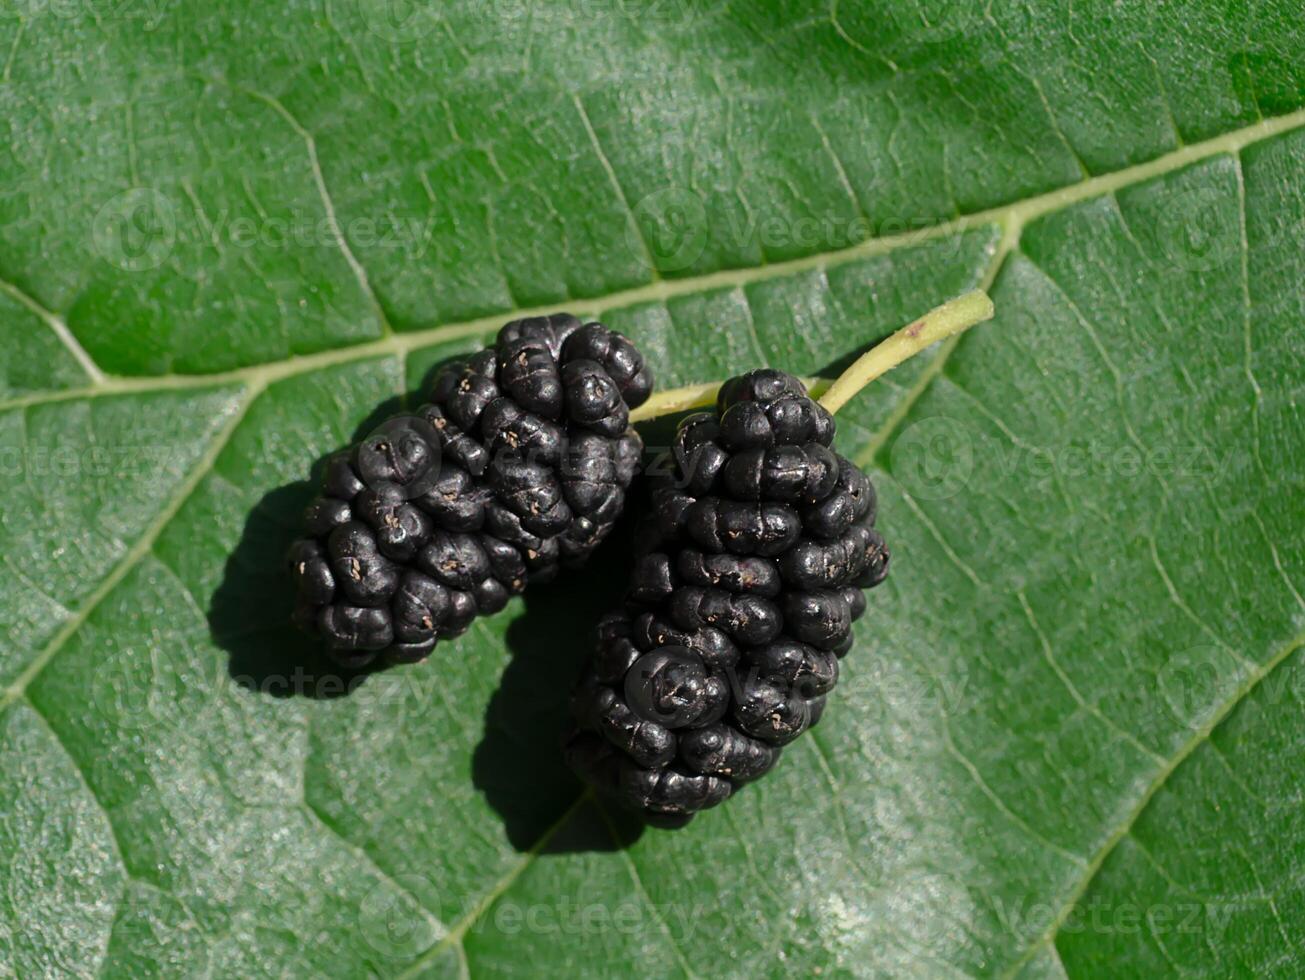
<point x="674" y="400"/>
<point x="951" y="318"/>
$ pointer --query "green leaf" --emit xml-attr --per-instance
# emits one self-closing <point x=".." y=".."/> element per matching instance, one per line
<point x="1067" y="740"/>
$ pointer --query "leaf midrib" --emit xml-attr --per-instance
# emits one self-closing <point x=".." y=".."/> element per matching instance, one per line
<point x="1015" y="214"/>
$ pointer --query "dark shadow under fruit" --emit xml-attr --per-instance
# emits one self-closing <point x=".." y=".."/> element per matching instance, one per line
<point x="518" y="762"/>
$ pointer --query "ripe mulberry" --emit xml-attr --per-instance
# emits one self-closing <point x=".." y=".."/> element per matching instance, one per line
<point x="739" y="607"/>
<point x="517" y="466"/>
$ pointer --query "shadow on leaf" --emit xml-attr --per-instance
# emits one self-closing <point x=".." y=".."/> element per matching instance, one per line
<point x="518" y="762"/>
<point x="249" y="613"/>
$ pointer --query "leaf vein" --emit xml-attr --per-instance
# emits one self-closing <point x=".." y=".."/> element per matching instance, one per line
<point x="643" y="892"/>
<point x="60" y="329"/>
<point x="1187" y="610"/>
<point x="977" y="778"/>
<point x="328" y="205"/>
<point x="318" y="817"/>
<point x="1247" y="329"/>
<point x="1010" y="215"/>
<point x="610" y="171"/>
<point x="481" y="906"/>
<point x="1126" y="824"/>
<point x="134" y="554"/>
<point x="1049" y="655"/>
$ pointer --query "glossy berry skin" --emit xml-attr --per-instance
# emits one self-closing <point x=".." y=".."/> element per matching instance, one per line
<point x="517" y="466"/>
<point x="739" y="607"/>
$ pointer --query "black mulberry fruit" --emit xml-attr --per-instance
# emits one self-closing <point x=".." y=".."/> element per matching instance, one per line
<point x="517" y="466"/>
<point x="739" y="607"/>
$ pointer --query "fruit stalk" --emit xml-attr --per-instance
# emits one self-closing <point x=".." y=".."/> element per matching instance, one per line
<point x="952" y="317"/>
<point x="690" y="397"/>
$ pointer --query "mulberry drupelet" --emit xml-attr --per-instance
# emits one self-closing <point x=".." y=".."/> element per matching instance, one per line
<point x="739" y="608"/>
<point x="518" y="466"/>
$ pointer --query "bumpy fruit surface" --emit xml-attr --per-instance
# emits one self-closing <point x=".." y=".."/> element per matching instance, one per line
<point x="518" y="466"/>
<point x="740" y="605"/>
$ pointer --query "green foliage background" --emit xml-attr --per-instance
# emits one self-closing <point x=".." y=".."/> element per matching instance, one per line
<point x="1070" y="737"/>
